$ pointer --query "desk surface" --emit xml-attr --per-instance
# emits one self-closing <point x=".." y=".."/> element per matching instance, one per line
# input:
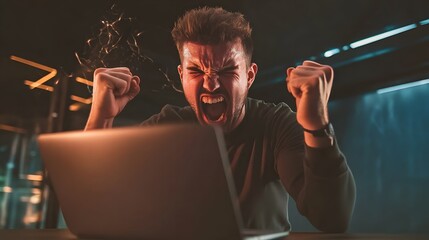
<point x="62" y="234"/>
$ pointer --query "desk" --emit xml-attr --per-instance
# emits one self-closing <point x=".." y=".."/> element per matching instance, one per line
<point x="62" y="234"/>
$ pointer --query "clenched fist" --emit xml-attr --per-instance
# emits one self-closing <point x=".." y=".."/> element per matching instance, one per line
<point x="311" y="84"/>
<point x="113" y="89"/>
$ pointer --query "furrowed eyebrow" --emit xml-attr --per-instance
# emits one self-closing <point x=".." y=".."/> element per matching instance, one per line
<point x="229" y="68"/>
<point x="193" y="68"/>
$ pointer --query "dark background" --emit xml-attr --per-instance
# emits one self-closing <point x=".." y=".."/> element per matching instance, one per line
<point x="382" y="135"/>
<point x="285" y="33"/>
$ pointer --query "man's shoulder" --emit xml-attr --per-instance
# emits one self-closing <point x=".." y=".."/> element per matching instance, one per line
<point x="173" y="109"/>
<point x="262" y="115"/>
<point x="170" y="114"/>
<point x="261" y="108"/>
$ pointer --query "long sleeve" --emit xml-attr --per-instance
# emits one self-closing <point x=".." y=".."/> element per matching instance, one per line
<point x="318" y="179"/>
<point x="269" y="161"/>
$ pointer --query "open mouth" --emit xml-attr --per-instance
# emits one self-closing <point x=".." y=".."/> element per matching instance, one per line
<point x="214" y="107"/>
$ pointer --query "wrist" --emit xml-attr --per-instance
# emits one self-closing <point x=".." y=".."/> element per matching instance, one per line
<point x="322" y="137"/>
<point x="97" y="122"/>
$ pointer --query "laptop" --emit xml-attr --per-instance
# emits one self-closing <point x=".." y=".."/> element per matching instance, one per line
<point x="159" y="182"/>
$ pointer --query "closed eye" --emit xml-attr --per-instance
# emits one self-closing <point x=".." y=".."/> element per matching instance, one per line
<point x="194" y="70"/>
<point x="229" y="70"/>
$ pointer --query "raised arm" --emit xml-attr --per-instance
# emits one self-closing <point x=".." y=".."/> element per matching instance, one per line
<point x="113" y="89"/>
<point x="318" y="179"/>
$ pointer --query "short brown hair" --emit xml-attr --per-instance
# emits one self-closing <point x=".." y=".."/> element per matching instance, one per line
<point x="212" y="25"/>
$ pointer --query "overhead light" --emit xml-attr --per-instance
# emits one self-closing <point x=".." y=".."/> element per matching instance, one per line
<point x="331" y="52"/>
<point x="12" y="128"/>
<point x="81" y="100"/>
<point x="41" y="86"/>
<point x="34" y="177"/>
<point x="47" y="77"/>
<point x="382" y="36"/>
<point x="84" y="81"/>
<point x="403" y="86"/>
<point x="424" y="22"/>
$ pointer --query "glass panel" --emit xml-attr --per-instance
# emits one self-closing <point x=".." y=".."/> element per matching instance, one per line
<point x="20" y="179"/>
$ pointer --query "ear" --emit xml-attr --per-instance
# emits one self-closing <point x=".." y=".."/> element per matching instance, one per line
<point x="251" y="74"/>
<point x="180" y="71"/>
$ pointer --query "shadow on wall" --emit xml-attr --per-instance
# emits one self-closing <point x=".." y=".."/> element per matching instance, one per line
<point x="386" y="142"/>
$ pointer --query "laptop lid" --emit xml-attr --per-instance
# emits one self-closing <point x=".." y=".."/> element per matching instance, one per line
<point x="161" y="182"/>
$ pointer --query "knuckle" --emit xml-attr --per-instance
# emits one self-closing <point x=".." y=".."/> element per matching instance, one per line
<point x="321" y="72"/>
<point x="102" y="77"/>
<point x="327" y="69"/>
<point x="328" y="72"/>
<point x="98" y="70"/>
<point x="124" y="70"/>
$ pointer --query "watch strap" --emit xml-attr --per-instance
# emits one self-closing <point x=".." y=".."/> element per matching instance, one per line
<point x="325" y="131"/>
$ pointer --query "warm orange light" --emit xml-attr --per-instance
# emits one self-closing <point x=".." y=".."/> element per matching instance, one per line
<point x="7" y="189"/>
<point x="35" y="199"/>
<point x="51" y="74"/>
<point x="81" y="100"/>
<point x="32" y="215"/>
<point x="12" y="129"/>
<point x="41" y="86"/>
<point x="36" y="191"/>
<point x="75" y="107"/>
<point x="31" y="218"/>
<point x="34" y="177"/>
<point x="84" y="81"/>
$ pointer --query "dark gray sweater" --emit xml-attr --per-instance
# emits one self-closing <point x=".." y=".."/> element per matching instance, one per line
<point x="270" y="161"/>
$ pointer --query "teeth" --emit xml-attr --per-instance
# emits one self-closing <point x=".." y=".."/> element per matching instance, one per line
<point x="211" y="100"/>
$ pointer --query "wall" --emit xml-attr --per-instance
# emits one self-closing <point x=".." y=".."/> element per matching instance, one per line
<point x="385" y="138"/>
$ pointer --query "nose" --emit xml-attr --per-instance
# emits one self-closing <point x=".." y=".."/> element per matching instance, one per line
<point x="211" y="82"/>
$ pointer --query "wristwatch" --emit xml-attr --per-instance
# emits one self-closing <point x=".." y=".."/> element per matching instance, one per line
<point x="326" y="131"/>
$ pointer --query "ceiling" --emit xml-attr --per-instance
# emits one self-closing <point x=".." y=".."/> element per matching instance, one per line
<point x="284" y="32"/>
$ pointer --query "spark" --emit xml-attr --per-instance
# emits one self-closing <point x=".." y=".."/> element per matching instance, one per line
<point x="118" y="42"/>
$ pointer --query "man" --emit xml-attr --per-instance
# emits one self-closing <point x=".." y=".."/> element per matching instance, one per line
<point x="273" y="151"/>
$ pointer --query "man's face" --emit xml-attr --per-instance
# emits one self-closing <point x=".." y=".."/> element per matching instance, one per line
<point x="216" y="80"/>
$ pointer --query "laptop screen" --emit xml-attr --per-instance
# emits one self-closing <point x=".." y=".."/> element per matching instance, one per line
<point x="163" y="182"/>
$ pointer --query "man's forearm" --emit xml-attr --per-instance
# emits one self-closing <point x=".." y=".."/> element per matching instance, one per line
<point x="95" y="122"/>
<point x="327" y="196"/>
<point x="328" y="202"/>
